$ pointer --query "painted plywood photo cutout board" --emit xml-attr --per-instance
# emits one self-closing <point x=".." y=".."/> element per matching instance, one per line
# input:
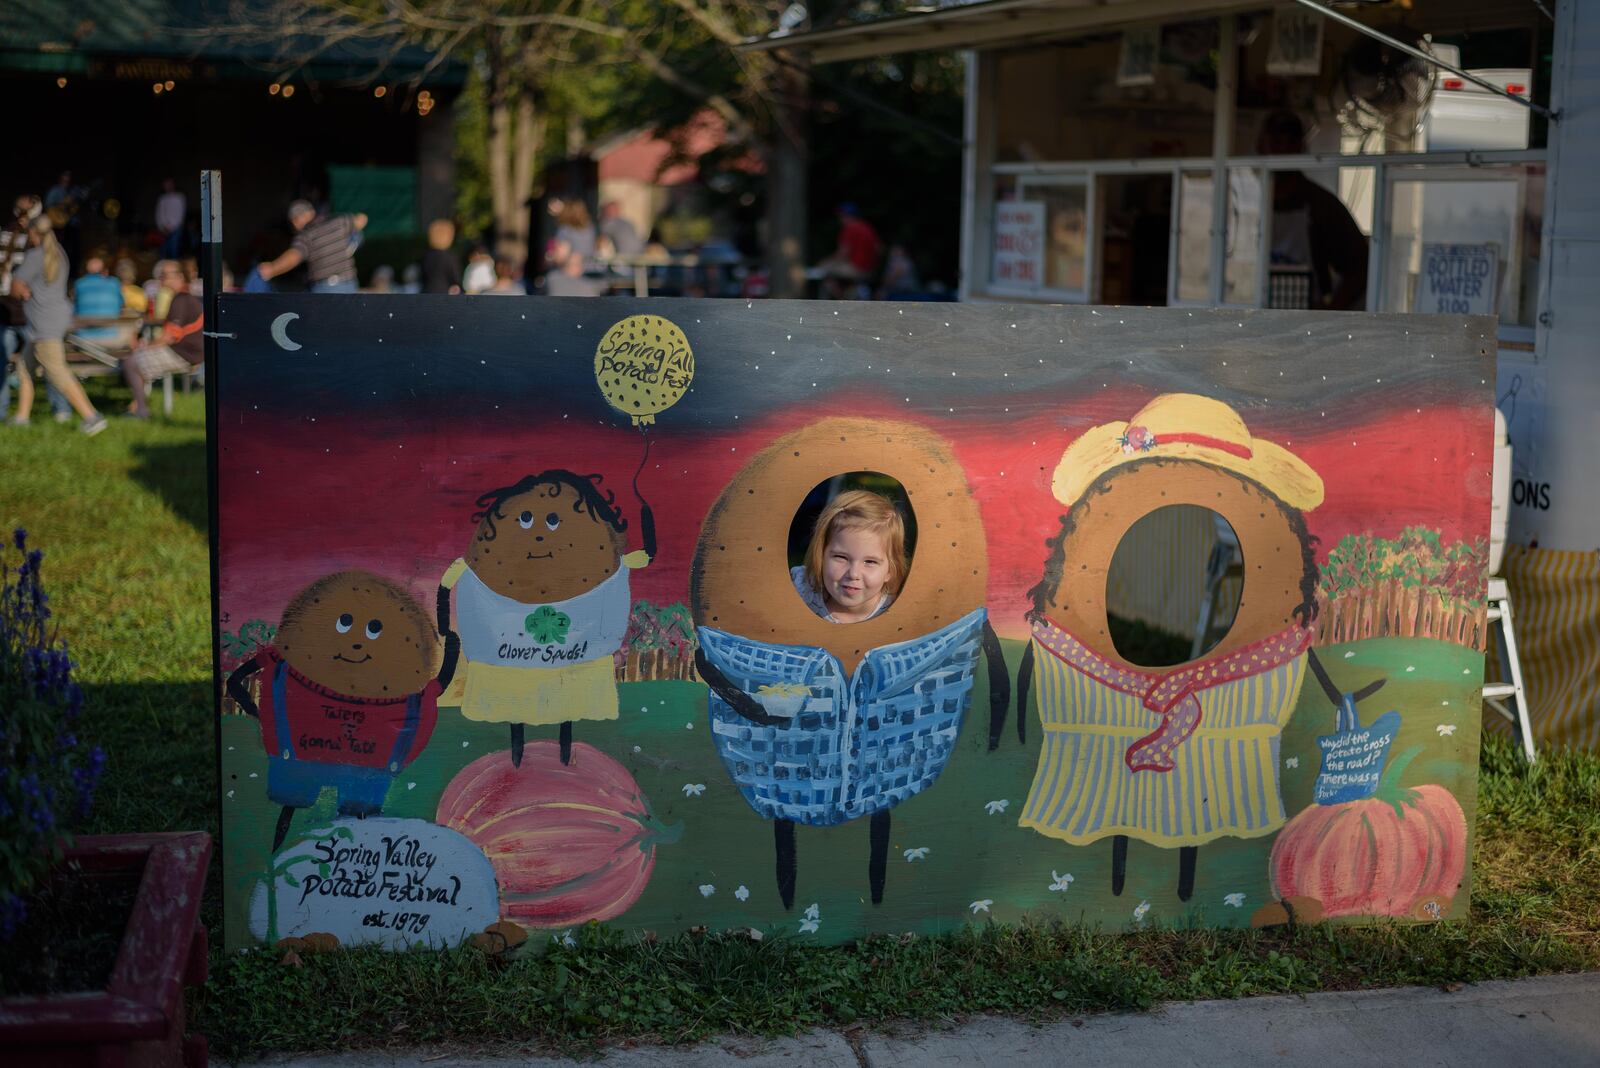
<point x="524" y="620"/>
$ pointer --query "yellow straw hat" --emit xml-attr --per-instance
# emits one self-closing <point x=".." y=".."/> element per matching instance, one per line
<point x="1186" y="426"/>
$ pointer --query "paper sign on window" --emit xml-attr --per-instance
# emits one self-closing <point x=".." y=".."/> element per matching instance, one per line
<point x="1018" y="244"/>
<point x="1457" y="279"/>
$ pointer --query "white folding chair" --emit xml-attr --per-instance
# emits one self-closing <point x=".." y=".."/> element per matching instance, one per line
<point x="1495" y="693"/>
<point x="1499" y="611"/>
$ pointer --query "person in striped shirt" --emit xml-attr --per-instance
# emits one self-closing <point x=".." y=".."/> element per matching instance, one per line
<point x="326" y="244"/>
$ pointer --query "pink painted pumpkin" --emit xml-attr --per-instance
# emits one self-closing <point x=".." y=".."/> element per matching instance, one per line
<point x="1378" y="856"/>
<point x="569" y="842"/>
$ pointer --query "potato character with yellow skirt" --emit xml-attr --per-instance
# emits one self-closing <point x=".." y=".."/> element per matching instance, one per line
<point x="1184" y="755"/>
<point x="542" y="603"/>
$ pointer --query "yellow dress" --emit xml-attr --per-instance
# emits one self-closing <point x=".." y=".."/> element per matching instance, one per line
<point x="1223" y="779"/>
<point x="539" y="664"/>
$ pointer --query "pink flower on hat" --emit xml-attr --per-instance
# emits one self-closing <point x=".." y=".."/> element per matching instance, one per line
<point x="1137" y="439"/>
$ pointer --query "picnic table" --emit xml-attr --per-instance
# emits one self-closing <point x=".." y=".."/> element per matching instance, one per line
<point x="106" y="359"/>
<point x="705" y="267"/>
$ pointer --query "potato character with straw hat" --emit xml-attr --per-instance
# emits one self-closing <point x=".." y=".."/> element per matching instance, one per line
<point x="1184" y="755"/>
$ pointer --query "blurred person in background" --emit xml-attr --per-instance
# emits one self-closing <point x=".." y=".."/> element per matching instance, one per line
<point x="617" y="232"/>
<point x="40" y="282"/>
<point x="899" y="276"/>
<point x="479" y="275"/>
<point x="325" y="244"/>
<point x="133" y="295"/>
<point x="167" y="279"/>
<point x="852" y="265"/>
<point x="96" y="295"/>
<point x="441" y="267"/>
<point x="180" y="350"/>
<point x="1312" y="230"/>
<point x="172" y="208"/>
<point x="382" y="280"/>
<point x="570" y="251"/>
<point x="506" y="282"/>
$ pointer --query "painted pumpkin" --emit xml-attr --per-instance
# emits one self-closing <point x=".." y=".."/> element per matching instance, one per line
<point x="1382" y="855"/>
<point x="569" y="842"/>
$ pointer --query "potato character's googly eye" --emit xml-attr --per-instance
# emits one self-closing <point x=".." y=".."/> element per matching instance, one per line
<point x="552" y="521"/>
<point x="344" y="623"/>
<point x="374" y="627"/>
<point x="525" y="519"/>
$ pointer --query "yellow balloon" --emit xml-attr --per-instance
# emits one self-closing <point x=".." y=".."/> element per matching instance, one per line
<point x="643" y="365"/>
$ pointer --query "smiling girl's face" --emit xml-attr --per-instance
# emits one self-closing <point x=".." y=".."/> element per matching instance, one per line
<point x="359" y="635"/>
<point x="855" y="569"/>
<point x="540" y="549"/>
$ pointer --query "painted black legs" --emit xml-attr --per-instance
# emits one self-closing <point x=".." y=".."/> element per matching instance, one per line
<point x="783" y="842"/>
<point x="284" y="819"/>
<point x="518" y="734"/>
<point x="1119" y="862"/>
<point x="876" y="865"/>
<point x="1187" y="855"/>
<point x="877" y="861"/>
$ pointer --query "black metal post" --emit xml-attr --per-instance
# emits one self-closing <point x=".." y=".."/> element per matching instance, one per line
<point x="211" y="274"/>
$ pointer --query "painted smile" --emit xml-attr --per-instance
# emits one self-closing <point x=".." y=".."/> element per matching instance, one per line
<point x="347" y="660"/>
<point x="541" y="556"/>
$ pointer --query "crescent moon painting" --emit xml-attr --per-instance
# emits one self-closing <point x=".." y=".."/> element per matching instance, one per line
<point x="280" y="331"/>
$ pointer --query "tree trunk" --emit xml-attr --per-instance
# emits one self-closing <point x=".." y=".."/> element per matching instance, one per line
<point x="788" y="156"/>
<point x="499" y="147"/>
<point x="511" y="229"/>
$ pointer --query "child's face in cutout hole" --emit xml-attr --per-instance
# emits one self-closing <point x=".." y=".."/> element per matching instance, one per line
<point x="855" y="569"/>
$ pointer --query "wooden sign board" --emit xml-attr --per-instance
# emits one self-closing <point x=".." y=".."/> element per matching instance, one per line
<point x="517" y="624"/>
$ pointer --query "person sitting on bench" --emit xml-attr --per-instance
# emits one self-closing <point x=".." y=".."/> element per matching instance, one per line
<point x="180" y="350"/>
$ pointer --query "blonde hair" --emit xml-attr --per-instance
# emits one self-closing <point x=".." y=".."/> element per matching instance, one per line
<point x="55" y="260"/>
<point x="574" y="213"/>
<point x="441" y="234"/>
<point x="860" y="510"/>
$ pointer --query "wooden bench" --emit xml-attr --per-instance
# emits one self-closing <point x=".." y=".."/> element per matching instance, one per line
<point x="89" y="358"/>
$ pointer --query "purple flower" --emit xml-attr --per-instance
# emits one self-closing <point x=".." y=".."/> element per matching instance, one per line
<point x="45" y="773"/>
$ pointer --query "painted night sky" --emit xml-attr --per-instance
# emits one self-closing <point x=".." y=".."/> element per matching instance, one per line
<point x="368" y="446"/>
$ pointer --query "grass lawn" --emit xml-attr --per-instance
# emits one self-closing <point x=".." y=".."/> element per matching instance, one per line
<point x="122" y="520"/>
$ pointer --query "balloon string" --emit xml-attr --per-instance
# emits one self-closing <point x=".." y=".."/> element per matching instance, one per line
<point x="642" y="462"/>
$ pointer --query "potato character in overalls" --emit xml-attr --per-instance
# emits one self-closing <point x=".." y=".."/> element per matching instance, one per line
<point x="542" y="603"/>
<point x="1173" y="756"/>
<point x="820" y="723"/>
<point x="352" y="693"/>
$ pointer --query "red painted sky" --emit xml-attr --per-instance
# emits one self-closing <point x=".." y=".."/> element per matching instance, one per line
<point x="303" y="498"/>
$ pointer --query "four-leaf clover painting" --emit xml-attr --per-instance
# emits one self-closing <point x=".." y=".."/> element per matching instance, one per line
<point x="545" y="624"/>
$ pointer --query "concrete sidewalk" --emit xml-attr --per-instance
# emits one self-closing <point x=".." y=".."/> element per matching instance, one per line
<point x="1551" y="1020"/>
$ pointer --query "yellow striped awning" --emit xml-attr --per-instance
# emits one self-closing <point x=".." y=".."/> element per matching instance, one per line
<point x="1555" y="603"/>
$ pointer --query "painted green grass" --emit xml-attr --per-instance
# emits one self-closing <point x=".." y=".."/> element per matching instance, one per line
<point x="972" y="854"/>
<point x="122" y="518"/>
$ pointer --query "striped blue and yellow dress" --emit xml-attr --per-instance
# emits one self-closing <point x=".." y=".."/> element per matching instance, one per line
<point x="1224" y="778"/>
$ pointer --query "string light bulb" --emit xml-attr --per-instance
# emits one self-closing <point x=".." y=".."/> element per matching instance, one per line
<point x="274" y="88"/>
<point x="156" y="88"/>
<point x="381" y="91"/>
<point x="168" y="85"/>
<point x="61" y="83"/>
<point x="288" y="91"/>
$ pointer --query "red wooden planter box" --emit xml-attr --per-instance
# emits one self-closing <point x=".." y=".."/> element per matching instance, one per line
<point x="138" y="1020"/>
